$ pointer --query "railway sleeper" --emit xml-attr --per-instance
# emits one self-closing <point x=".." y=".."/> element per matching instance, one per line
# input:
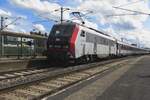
<point x="65" y="79"/>
<point x="29" y="91"/>
<point x="39" y="87"/>
<point x="53" y="85"/>
<point x="73" y="77"/>
<point x="18" y="73"/>
<point x="15" y="95"/>
<point x="60" y="82"/>
<point x="50" y="87"/>
<point x="9" y="75"/>
<point x="11" y="96"/>
<point x="76" y="76"/>
<point x="2" y="77"/>
<point x="81" y="74"/>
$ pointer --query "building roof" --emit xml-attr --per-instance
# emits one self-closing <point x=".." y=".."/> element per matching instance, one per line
<point x="25" y="35"/>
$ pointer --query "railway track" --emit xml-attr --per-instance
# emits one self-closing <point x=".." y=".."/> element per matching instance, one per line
<point x="22" y="72"/>
<point x="36" y="84"/>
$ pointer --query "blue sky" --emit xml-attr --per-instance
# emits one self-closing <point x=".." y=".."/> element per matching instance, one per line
<point x="128" y="27"/>
<point x="31" y="16"/>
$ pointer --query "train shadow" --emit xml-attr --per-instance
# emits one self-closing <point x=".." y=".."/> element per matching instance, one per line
<point x="44" y="63"/>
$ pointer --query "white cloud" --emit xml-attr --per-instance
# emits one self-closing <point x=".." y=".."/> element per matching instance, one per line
<point x="42" y="8"/>
<point x="143" y="36"/>
<point x="4" y="13"/>
<point x="16" y="26"/>
<point x="23" y="17"/>
<point x="17" y="29"/>
<point x="39" y="27"/>
<point x="120" y="26"/>
<point x="100" y="8"/>
<point x="105" y="7"/>
<point x="13" y="27"/>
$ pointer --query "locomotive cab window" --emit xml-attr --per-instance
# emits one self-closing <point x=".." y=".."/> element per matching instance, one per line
<point x="82" y="34"/>
<point x="62" y="30"/>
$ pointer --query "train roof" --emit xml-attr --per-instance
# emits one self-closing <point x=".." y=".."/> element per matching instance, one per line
<point x="98" y="32"/>
<point x="102" y="33"/>
<point x="123" y="43"/>
<point x="127" y="44"/>
<point x="74" y="23"/>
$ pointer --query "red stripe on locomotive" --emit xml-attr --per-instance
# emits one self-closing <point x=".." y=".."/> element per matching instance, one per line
<point x="73" y="39"/>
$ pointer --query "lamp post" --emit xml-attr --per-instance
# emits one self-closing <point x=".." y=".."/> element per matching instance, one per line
<point x="1" y="37"/>
<point x="2" y="28"/>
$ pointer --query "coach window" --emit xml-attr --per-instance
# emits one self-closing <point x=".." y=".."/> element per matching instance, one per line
<point x="82" y="34"/>
<point x="102" y="41"/>
<point x="106" y="42"/>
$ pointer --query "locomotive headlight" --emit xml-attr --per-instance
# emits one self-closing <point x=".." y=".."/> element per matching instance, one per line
<point x="69" y="54"/>
<point x="66" y="46"/>
<point x="50" y="46"/>
<point x="57" y="46"/>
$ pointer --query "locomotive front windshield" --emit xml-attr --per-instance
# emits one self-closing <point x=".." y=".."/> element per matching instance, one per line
<point x="62" y="30"/>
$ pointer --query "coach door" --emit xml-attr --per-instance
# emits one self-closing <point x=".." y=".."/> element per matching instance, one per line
<point x="95" y="45"/>
<point x="117" y="48"/>
<point x="83" y="39"/>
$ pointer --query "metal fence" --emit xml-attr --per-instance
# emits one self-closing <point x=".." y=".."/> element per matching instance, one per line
<point x="21" y="45"/>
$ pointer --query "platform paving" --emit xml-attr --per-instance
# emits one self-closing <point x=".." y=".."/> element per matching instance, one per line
<point x="130" y="82"/>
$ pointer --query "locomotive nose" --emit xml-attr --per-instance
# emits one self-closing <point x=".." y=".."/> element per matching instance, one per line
<point x="58" y="44"/>
<point x="58" y="48"/>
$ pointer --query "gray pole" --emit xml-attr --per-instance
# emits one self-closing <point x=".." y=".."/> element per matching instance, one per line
<point x="61" y="15"/>
<point x="21" y="52"/>
<point x="2" y="20"/>
<point x="1" y="37"/>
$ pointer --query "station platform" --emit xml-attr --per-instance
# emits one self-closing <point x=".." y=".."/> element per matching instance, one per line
<point x="13" y="63"/>
<point x="7" y="59"/>
<point x="130" y="82"/>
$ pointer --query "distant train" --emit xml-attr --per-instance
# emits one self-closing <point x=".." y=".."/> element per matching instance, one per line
<point x="78" y="42"/>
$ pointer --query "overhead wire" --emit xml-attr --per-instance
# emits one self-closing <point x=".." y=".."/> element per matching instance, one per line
<point x="127" y="4"/>
<point x="138" y="12"/>
<point x="134" y="12"/>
